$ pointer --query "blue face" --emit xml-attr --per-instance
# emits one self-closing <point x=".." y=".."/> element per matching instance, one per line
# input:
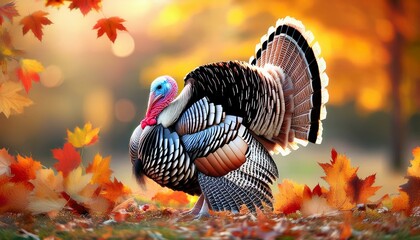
<point x="160" y="86"/>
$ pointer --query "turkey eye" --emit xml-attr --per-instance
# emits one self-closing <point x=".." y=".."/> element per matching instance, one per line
<point x="159" y="87"/>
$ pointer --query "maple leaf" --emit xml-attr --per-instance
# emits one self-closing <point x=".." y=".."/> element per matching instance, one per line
<point x="8" y="11"/>
<point x="68" y="158"/>
<point x="114" y="191"/>
<point x="362" y="190"/>
<point x="409" y="197"/>
<point x="35" y="22"/>
<point x="10" y="100"/>
<point x="46" y="196"/>
<point x="110" y="27"/>
<point x="171" y="198"/>
<point x="100" y="169"/>
<point x="85" y="6"/>
<point x="77" y="185"/>
<point x="83" y="137"/>
<point x="13" y="196"/>
<point x="337" y="174"/>
<point x="290" y="197"/>
<point x="54" y="3"/>
<point x="24" y="170"/>
<point x="28" y="72"/>
<point x="5" y="160"/>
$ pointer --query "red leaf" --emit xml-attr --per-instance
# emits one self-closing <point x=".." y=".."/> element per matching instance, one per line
<point x="114" y="191"/>
<point x="24" y="170"/>
<point x="54" y="3"/>
<point x="35" y="22"/>
<point x="109" y="26"/>
<point x="85" y="6"/>
<point x="8" y="11"/>
<point x="68" y="158"/>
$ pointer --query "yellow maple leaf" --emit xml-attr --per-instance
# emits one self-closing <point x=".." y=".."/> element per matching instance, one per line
<point x="83" y="137"/>
<point x="10" y="100"/>
<point x="77" y="185"/>
<point x="290" y="197"/>
<point x="414" y="169"/>
<point x="100" y="169"/>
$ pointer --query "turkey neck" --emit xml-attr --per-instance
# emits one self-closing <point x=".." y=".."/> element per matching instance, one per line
<point x="171" y="113"/>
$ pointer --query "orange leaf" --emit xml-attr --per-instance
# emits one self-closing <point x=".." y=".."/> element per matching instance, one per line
<point x="171" y="198"/>
<point x="13" y="196"/>
<point x="28" y="72"/>
<point x="412" y="188"/>
<point x="10" y="100"/>
<point x="46" y="196"/>
<point x="361" y="190"/>
<point x="400" y="202"/>
<point x="100" y="169"/>
<point x="24" y="170"/>
<point x="54" y="3"/>
<point x="85" y="6"/>
<point x="110" y="27"/>
<point x="83" y="137"/>
<point x="290" y="197"/>
<point x="337" y="174"/>
<point x="68" y="158"/>
<point x="414" y="169"/>
<point x="35" y="22"/>
<point x="114" y="191"/>
<point x="8" y="11"/>
<point x="5" y="161"/>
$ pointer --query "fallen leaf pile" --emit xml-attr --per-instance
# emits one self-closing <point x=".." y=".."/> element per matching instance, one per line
<point x="28" y="187"/>
<point x="72" y="201"/>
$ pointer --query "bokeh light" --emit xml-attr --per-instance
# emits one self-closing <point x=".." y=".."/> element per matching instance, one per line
<point x="125" y="111"/>
<point x="52" y="76"/>
<point x="124" y="45"/>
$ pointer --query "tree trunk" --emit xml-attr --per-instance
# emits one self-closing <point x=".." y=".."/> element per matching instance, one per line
<point x="395" y="74"/>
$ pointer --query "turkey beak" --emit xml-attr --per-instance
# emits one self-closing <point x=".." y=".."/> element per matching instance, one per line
<point x="153" y="98"/>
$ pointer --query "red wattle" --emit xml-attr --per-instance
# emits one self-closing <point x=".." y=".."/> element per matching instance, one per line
<point x="148" y="122"/>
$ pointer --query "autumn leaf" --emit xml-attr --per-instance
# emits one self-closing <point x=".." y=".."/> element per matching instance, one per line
<point x="23" y="170"/>
<point x="171" y="198"/>
<point x="85" y="6"/>
<point x="35" y="22"/>
<point x="28" y="72"/>
<point x="110" y="27"/>
<point x="8" y="11"/>
<point x="290" y="197"/>
<point x="83" y="137"/>
<point x="100" y="169"/>
<point x="361" y="190"/>
<point x="54" y="3"/>
<point x="13" y="196"/>
<point x="337" y="174"/>
<point x="46" y="196"/>
<point x="114" y="191"/>
<point x="409" y="196"/>
<point x="68" y="158"/>
<point x="5" y="160"/>
<point x="77" y="185"/>
<point x="10" y="100"/>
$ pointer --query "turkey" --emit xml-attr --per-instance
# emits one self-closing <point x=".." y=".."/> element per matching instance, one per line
<point x="215" y="139"/>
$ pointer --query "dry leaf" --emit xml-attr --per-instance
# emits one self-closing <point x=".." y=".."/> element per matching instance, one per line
<point x="28" y="72"/>
<point x="171" y="198"/>
<point x="110" y="27"/>
<point x="114" y="191"/>
<point x="8" y="11"/>
<point x="77" y="185"/>
<point x="85" y="6"/>
<point x="5" y="160"/>
<point x="24" y="170"/>
<point x="10" y="100"/>
<point x="13" y="196"/>
<point x="35" y="22"/>
<point x="100" y="169"/>
<point x="68" y="158"/>
<point x="83" y="137"/>
<point x="54" y="3"/>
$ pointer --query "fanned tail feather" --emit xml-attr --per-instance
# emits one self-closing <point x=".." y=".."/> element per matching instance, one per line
<point x="290" y="48"/>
